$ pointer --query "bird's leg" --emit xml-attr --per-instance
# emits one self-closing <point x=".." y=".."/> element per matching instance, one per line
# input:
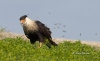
<point x="40" y="44"/>
<point x="41" y="39"/>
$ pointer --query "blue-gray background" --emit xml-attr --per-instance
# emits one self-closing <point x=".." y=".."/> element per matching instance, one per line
<point x="79" y="19"/>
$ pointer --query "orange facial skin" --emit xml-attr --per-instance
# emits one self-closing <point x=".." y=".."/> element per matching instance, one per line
<point x="22" y="21"/>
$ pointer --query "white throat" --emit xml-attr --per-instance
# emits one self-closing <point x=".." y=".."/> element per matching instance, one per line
<point x="30" y="25"/>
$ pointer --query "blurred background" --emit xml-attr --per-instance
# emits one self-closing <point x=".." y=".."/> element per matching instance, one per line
<point x="69" y="19"/>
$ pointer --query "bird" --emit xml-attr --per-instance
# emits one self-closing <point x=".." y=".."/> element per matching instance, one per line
<point x="58" y="27"/>
<point x="80" y="34"/>
<point x="64" y="31"/>
<point x="63" y="36"/>
<point x="95" y="33"/>
<point x="36" y="31"/>
<point x="55" y="24"/>
<point x="49" y="12"/>
<point x="64" y="26"/>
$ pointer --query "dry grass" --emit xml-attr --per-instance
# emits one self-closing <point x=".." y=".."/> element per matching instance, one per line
<point x="6" y="34"/>
<point x="91" y="43"/>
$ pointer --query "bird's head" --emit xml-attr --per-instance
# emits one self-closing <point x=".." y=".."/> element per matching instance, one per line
<point x="23" y="19"/>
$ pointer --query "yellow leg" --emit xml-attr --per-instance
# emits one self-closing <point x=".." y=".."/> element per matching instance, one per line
<point x="40" y="44"/>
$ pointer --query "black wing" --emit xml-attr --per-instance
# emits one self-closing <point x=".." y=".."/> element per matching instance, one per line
<point x="45" y="31"/>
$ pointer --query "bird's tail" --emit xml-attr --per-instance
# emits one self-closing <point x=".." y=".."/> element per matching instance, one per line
<point x="51" y="42"/>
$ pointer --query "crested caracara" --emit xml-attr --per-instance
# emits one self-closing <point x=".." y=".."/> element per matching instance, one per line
<point x="36" y="31"/>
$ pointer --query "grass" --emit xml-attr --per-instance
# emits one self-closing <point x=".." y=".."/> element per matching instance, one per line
<point x="17" y="49"/>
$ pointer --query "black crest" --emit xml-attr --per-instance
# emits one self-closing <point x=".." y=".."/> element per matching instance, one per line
<point x="23" y="17"/>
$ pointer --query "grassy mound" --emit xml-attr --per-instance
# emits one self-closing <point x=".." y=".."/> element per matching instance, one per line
<point x="16" y="49"/>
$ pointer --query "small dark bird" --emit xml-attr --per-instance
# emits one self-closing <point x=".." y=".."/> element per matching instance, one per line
<point x="64" y="31"/>
<point x="63" y="36"/>
<point x="36" y="31"/>
<point x="95" y="33"/>
<point x="64" y="26"/>
<point x="59" y="24"/>
<point x="58" y="27"/>
<point x="80" y="34"/>
<point x="49" y="13"/>
<point x="55" y="24"/>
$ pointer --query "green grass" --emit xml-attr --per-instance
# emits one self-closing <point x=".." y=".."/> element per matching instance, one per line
<point x="17" y="49"/>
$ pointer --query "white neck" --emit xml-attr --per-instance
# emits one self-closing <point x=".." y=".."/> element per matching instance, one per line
<point x="30" y="25"/>
<point x="29" y="20"/>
